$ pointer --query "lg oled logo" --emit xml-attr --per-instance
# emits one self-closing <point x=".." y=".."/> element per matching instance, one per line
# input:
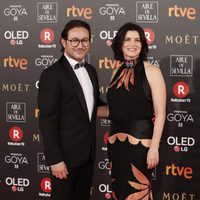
<point x="47" y="37"/>
<point x="74" y="11"/>
<point x="181" y="144"/>
<point x="182" y="12"/>
<point x="16" y="37"/>
<point x="108" y="36"/>
<point x="17" y="184"/>
<point x="15" y="11"/>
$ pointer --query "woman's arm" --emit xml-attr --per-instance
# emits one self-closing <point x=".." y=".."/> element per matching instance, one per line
<point x="158" y="91"/>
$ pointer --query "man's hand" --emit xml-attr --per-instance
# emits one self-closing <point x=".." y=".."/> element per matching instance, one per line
<point x="59" y="170"/>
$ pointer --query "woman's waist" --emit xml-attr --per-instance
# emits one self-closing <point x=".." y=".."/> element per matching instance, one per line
<point x="137" y="128"/>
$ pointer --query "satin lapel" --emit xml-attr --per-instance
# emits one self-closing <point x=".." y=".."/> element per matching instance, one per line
<point x="94" y="83"/>
<point x="76" y="83"/>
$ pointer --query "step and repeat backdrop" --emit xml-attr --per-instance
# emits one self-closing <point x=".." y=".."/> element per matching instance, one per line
<point x="30" y="34"/>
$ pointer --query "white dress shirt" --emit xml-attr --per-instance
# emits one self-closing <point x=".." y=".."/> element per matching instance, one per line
<point x="86" y="84"/>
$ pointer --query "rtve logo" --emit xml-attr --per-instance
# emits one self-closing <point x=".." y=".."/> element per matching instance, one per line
<point x="178" y="11"/>
<point x="47" y="36"/>
<point x="86" y="13"/>
<point x="180" y="89"/>
<point x="174" y="170"/>
<point x="21" y="63"/>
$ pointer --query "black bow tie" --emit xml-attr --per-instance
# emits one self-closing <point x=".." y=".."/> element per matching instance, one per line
<point x="82" y="64"/>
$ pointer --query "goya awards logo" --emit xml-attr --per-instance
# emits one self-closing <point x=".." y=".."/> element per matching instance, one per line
<point x="47" y="12"/>
<point x="45" y="61"/>
<point x="45" y="185"/>
<point x="17" y="184"/>
<point x="16" y="112"/>
<point x="147" y="11"/>
<point x="181" y="65"/>
<point x="16" y="159"/>
<point x="112" y="10"/>
<point x="15" y="11"/>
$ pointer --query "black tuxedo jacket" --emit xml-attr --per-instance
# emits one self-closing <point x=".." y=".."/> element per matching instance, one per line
<point x="68" y="134"/>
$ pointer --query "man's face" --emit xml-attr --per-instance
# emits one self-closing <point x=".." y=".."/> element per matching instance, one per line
<point x="75" y="35"/>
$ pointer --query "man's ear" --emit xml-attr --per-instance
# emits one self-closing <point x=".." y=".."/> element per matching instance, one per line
<point x="63" y="42"/>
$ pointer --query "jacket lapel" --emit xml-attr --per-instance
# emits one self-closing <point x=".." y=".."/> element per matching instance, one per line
<point x="77" y="87"/>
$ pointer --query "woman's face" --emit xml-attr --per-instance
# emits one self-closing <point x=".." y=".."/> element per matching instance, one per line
<point x="131" y="46"/>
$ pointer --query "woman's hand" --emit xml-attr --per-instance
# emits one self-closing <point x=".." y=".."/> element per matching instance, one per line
<point x="152" y="158"/>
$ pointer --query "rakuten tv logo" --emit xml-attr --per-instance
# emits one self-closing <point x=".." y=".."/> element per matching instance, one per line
<point x="180" y="89"/>
<point x="174" y="170"/>
<point x="47" y="37"/>
<point x="86" y="13"/>
<point x="16" y="135"/>
<point x="45" y="185"/>
<point x="150" y="38"/>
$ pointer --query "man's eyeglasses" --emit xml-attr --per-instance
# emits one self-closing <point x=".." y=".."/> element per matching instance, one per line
<point x="76" y="42"/>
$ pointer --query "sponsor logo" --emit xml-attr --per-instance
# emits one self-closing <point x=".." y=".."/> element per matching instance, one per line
<point x="181" y="65"/>
<point x="18" y="63"/>
<point x="45" y="60"/>
<point x="174" y="170"/>
<point x="16" y="159"/>
<point x="108" y="36"/>
<point x="15" y="11"/>
<point x="178" y="196"/>
<point x="16" y="37"/>
<point x="16" y="112"/>
<point x="47" y="38"/>
<point x="105" y="122"/>
<point x="153" y="61"/>
<point x="181" y="144"/>
<point x="103" y="89"/>
<point x="45" y="185"/>
<point x="106" y="189"/>
<point x="105" y="140"/>
<point x="86" y="13"/>
<point x="17" y="184"/>
<point x="147" y="11"/>
<point x="47" y="12"/>
<point x="41" y="163"/>
<point x="36" y="137"/>
<point x="150" y="38"/>
<point x="182" y="39"/>
<point x="181" y="90"/>
<point x="12" y="87"/>
<point x="180" y="117"/>
<point x="112" y="11"/>
<point x="105" y="165"/>
<point x="182" y="12"/>
<point x="16" y="135"/>
<point x="106" y="63"/>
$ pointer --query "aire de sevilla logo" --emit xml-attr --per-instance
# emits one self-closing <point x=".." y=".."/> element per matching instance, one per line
<point x="16" y="134"/>
<point x="180" y="89"/>
<point x="47" y="36"/>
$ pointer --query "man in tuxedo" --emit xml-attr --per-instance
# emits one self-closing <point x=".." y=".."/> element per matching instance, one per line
<point x="68" y="99"/>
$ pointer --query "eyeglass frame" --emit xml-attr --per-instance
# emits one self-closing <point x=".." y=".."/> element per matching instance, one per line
<point x="75" y="39"/>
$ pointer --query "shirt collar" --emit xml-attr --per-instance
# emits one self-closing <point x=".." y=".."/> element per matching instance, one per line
<point x="71" y="61"/>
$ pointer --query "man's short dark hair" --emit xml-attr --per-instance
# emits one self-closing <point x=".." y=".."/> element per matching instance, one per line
<point x="119" y="39"/>
<point x="73" y="24"/>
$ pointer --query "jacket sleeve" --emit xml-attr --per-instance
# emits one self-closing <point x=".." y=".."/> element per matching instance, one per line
<point x="48" y="104"/>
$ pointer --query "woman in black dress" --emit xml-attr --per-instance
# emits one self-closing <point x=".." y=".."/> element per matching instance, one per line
<point x="136" y="100"/>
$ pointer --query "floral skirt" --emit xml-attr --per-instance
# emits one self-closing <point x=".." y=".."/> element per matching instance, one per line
<point x="128" y="145"/>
